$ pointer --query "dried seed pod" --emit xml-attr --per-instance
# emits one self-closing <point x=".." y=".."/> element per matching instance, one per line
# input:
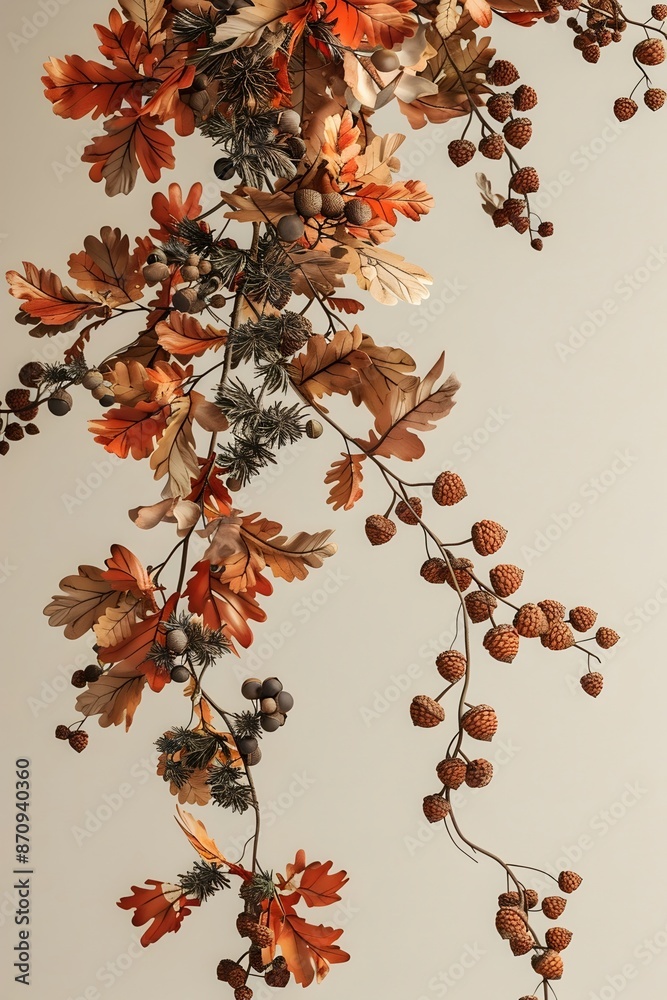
<point x="179" y="674"/>
<point x="505" y="579"/>
<point x="78" y="679"/>
<point x="460" y="574"/>
<point x="308" y="202"/>
<point x="525" y="181"/>
<point x="554" y="610"/>
<point x="530" y="621"/>
<point x="271" y="687"/>
<point x="480" y="722"/>
<point x="62" y="732"/>
<point x="592" y="683"/>
<point x="379" y="529"/>
<point x="434" y="570"/>
<point x="92" y="379"/>
<point x="582" y="618"/>
<point x="521" y="944"/>
<point x="60" y="402"/>
<point x="269" y="724"/>
<point x="92" y="673"/>
<point x="448" y="489"/>
<point x="451" y="772"/>
<point x="624" y="108"/>
<point x="409" y="511"/>
<point x="606" y="637"/>
<point x="518" y="132"/>
<point x="558" y="636"/>
<point x="461" y="151"/>
<point x="649" y="52"/>
<point x="502" y="643"/>
<point x="553" y="906"/>
<point x="525" y="98"/>
<point x="492" y="146"/>
<point x="549" y="964"/>
<point x="500" y="106"/>
<point x="358" y="212"/>
<point x="487" y="537"/>
<point x="436" y="808"/>
<point x="285" y="702"/>
<point x="14" y="432"/>
<point x="251" y="688"/>
<point x="513" y="898"/>
<point x="155" y="273"/>
<point x="654" y="98"/>
<point x="479" y="773"/>
<point x="78" y="740"/>
<point x="502" y="73"/>
<point x="385" y="61"/>
<point x="333" y="205"/>
<point x="425" y="712"/>
<point x="246" y="745"/>
<point x="451" y="665"/>
<point x="558" y="938"/>
<point x="224" y="169"/>
<point x="569" y="881"/>
<point x="190" y="272"/>
<point x="176" y="641"/>
<point x="510" y="921"/>
<point x="289" y="122"/>
<point x="31" y="374"/>
<point x="268" y="706"/>
<point x="314" y="429"/>
<point x="480" y="605"/>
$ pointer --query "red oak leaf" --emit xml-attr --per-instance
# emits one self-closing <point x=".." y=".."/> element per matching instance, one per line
<point x="46" y="298"/>
<point x="131" y="140"/>
<point x="313" y="883"/>
<point x="169" y="210"/>
<point x="221" y="608"/>
<point x="164" y="904"/>
<point x="125" y="572"/>
<point x="78" y="87"/>
<point x="134" y="652"/>
<point x="125" y="430"/>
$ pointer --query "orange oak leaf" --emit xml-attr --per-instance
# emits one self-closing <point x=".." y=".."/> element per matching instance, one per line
<point x="115" y="697"/>
<point x="148" y="14"/>
<point x="123" y="43"/>
<point x="131" y="140"/>
<point x="163" y="903"/>
<point x="87" y="596"/>
<point x="288" y="558"/>
<point x="164" y="380"/>
<point x="221" y="608"/>
<point x="115" y="624"/>
<point x="106" y="267"/>
<point x="408" y="413"/>
<point x="168" y="210"/>
<point x="374" y="23"/>
<point x="196" y="833"/>
<point x="408" y="198"/>
<point x="344" y="305"/>
<point x="251" y="205"/>
<point x="308" y="949"/>
<point x="389" y="367"/>
<point x="133" y="654"/>
<point x="345" y="477"/>
<point x="313" y="883"/>
<point x="46" y="297"/>
<point x="130" y="430"/>
<point x="78" y="87"/>
<point x="340" y="147"/>
<point x="328" y="366"/>
<point x="126" y="573"/>
<point x="183" y="334"/>
<point x="128" y="382"/>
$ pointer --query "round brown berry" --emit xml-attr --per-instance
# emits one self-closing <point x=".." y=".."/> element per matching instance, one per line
<point x="480" y="605"/>
<point x="549" y="964"/>
<point x="546" y="229"/>
<point x="654" y="98"/>
<point x="569" y="881"/>
<point x="553" y="906"/>
<point x="31" y="374"/>
<point x="62" y="732"/>
<point x="525" y="98"/>
<point x="649" y="52"/>
<point x="480" y="722"/>
<point x="582" y="618"/>
<point x="492" y="146"/>
<point x="78" y="740"/>
<point x="479" y="773"/>
<point x="505" y="579"/>
<point x="434" y="570"/>
<point x="558" y="636"/>
<point x="502" y="73"/>
<point x="558" y="938"/>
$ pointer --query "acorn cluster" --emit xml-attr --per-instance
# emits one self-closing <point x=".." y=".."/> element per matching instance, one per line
<point x="202" y="285"/>
<point x="274" y="973"/>
<point x="271" y="701"/>
<point x="322" y="208"/>
<point x="77" y="738"/>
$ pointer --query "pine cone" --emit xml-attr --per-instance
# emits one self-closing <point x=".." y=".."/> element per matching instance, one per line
<point x="654" y="98"/>
<point x="624" y="108"/>
<point x="479" y="773"/>
<point x="525" y="181"/>
<point x="530" y="621"/>
<point x="558" y="938"/>
<point x="78" y="740"/>
<point x="245" y="923"/>
<point x="518" y="132"/>
<point x="522" y="944"/>
<point x="448" y="489"/>
<point x="513" y="899"/>
<point x="480" y="605"/>
<point x="546" y="229"/>
<point x="502" y="643"/>
<point x="242" y="993"/>
<point x="14" y="432"/>
<point x="549" y="965"/>
<point x="451" y="665"/>
<point x="379" y="529"/>
<point x="17" y="399"/>
<point x="582" y="618"/>
<point x="236" y="976"/>
<point x="649" y="52"/>
<point x="461" y="574"/>
<point x="28" y="414"/>
<point x="553" y="906"/>
<point x="461" y="151"/>
<point x="505" y="579"/>
<point x="492" y="146"/>
<point x="525" y="98"/>
<point x="434" y="570"/>
<point x="500" y="218"/>
<point x="62" y="732"/>
<point x="500" y="106"/>
<point x="480" y="722"/>
<point x="294" y="332"/>
<point x="510" y="921"/>
<point x="410" y="511"/>
<point x="659" y="11"/>
<point x="569" y="881"/>
<point x="554" y="610"/>
<point x="31" y="374"/>
<point x="261" y="935"/>
<point x="487" y="537"/>
<point x="537" y="244"/>
<point x="591" y="53"/>
<point x="435" y="808"/>
<point x="592" y="683"/>
<point x="225" y="966"/>
<point x="425" y="712"/>
<point x="559" y="636"/>
<point x="278" y="978"/>
<point x="502" y="73"/>
<point x="255" y="956"/>
<point x="606" y="637"/>
<point x="451" y="772"/>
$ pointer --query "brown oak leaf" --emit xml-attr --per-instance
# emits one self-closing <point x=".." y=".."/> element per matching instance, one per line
<point x="114" y="697"/>
<point x="345" y="477"/>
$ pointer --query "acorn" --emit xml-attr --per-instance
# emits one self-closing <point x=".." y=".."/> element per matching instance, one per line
<point x="278" y="717"/>
<point x="333" y="205"/>
<point x="192" y="260"/>
<point x="314" y="429"/>
<point x="78" y="679"/>
<point x="251" y="687"/>
<point x="92" y="673"/>
<point x="290" y="228"/>
<point x="223" y="169"/>
<point x="190" y="272"/>
<point x="269" y="723"/>
<point x="289" y="122"/>
<point x="177" y="640"/>
<point x="233" y="484"/>
<point x="179" y="674"/>
<point x="285" y="702"/>
<point x="186" y="300"/>
<point x="218" y="301"/>
<point x="268" y="706"/>
<point x="201" y="81"/>
<point x="254" y="757"/>
<point x="385" y="61"/>
<point x="307" y="202"/>
<point x="246" y="745"/>
<point x="31" y="374"/>
<point x="104" y="394"/>
<point x="155" y="273"/>
<point x="156" y="256"/>
<point x="204" y="267"/>
<point x="60" y="402"/>
<point x="358" y="212"/>
<point x="296" y="147"/>
<point x="271" y="687"/>
<point x="92" y="379"/>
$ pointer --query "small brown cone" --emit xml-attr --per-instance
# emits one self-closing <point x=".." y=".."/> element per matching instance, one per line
<point x="78" y="740"/>
<point x="379" y="529"/>
<point x="569" y="881"/>
<point x="606" y="637"/>
<point x="592" y="683"/>
<point x="461" y="568"/>
<point x="624" y="108"/>
<point x="582" y="618"/>
<point x="502" y="73"/>
<point x="502" y="643"/>
<point x="492" y="146"/>
<point x="487" y="537"/>
<point x="513" y="899"/>
<point x="243" y="993"/>
<point x="278" y="976"/>
<point x="425" y="712"/>
<point x="479" y="773"/>
<point x="654" y="98"/>
<point x="451" y="665"/>
<point x="451" y="772"/>
<point x="245" y="923"/>
<point x="559" y="636"/>
<point x="261" y="936"/>
<point x="554" y="610"/>
<point x="448" y="489"/>
<point x="506" y="579"/>
<point x="480" y="722"/>
<point x="549" y="965"/>
<point x="518" y="132"/>
<point x="500" y="106"/>
<point x="525" y="98"/>
<point x="650" y="52"/>
<point x="530" y="621"/>
<point x="409" y="512"/>
<point x="558" y="938"/>
<point x="525" y="181"/>
<point x="434" y="570"/>
<point x="461" y="151"/>
<point x="225" y="966"/>
<point x="553" y="906"/>
<point x="480" y="605"/>
<point x="435" y="808"/>
<point x="510" y="921"/>
<point x="522" y="944"/>
<point x="62" y="732"/>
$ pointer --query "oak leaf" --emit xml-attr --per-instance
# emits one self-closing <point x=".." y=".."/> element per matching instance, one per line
<point x="389" y="367"/>
<point x="175" y="455"/>
<point x="148" y="14"/>
<point x="183" y="334"/>
<point x="174" y="510"/>
<point x="289" y="558"/>
<point x="130" y="430"/>
<point x="128" y="382"/>
<point x="345" y="477"/>
<point x="480" y="11"/>
<point x="163" y="903"/>
<point x="53" y="303"/>
<point x="251" y="205"/>
<point x="409" y="198"/>
<point x="115" y="624"/>
<point x="221" y="608"/>
<point x="125" y="572"/>
<point x="308" y="949"/>
<point x="133" y="653"/>
<point x="88" y="596"/>
<point x="114" y="697"/>
<point x="131" y="140"/>
<point x="106" y="267"/>
<point x="328" y="366"/>
<point x="447" y="17"/>
<point x="78" y="87"/>
<point x="387" y="276"/>
<point x="168" y="210"/>
<point x="313" y="883"/>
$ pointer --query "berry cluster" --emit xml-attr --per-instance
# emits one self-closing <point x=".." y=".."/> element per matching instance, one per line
<point x="271" y="701"/>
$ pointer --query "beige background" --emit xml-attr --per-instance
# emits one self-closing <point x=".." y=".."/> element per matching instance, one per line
<point x="534" y="435"/>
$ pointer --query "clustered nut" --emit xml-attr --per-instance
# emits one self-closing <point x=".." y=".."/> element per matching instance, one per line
<point x="479" y="773"/>
<point x="487" y="537"/>
<point x="518" y="132"/>
<point x="425" y="712"/>
<point x="480" y="722"/>
<point x="480" y="605"/>
<point x="558" y="636"/>
<point x="451" y="665"/>
<point x="434" y="570"/>
<point x="554" y="610"/>
<point x="530" y="621"/>
<point x="451" y="772"/>
<point x="274" y="704"/>
<point x="553" y="906"/>
<point x="510" y="921"/>
<point x="649" y="52"/>
<point x="606" y="637"/>
<point x="502" y="643"/>
<point x="592" y="683"/>
<point x="461" y="151"/>
<point x="502" y="73"/>
<point x="460" y="575"/>
<point x="78" y="740"/>
<point x="558" y="938"/>
<point x="582" y="618"/>
<point x="505" y="579"/>
<point x="525" y="181"/>
<point x="624" y="108"/>
<point x="549" y="964"/>
<point x="500" y="106"/>
<point x="435" y="808"/>
<point x="379" y="529"/>
<point x="448" y="489"/>
<point x="409" y="511"/>
<point x="569" y="881"/>
<point x="521" y="944"/>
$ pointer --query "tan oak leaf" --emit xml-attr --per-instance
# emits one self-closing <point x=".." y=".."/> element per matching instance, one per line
<point x="114" y="697"/>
